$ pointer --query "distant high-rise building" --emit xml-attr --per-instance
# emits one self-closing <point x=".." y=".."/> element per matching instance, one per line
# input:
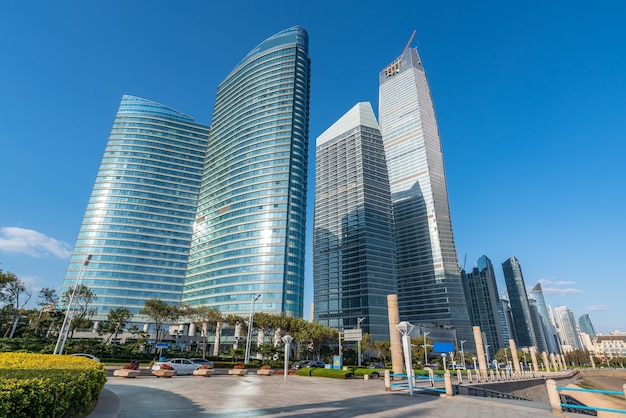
<point x="516" y="289"/>
<point x="139" y="220"/>
<point x="551" y="336"/>
<point x="354" y="240"/>
<point x="538" y="326"/>
<point x="586" y="326"/>
<point x="566" y="324"/>
<point x="506" y="321"/>
<point x="249" y="232"/>
<point x="430" y="289"/>
<point x="481" y="292"/>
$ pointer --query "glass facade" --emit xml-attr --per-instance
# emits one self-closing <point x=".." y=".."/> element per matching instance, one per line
<point x="354" y="241"/>
<point x="483" y="299"/>
<point x="139" y="220"/>
<point x="249" y="232"/>
<point x="430" y="289"/>
<point x="524" y="334"/>
<point x="567" y="327"/>
<point x="586" y="326"/>
<point x="551" y="336"/>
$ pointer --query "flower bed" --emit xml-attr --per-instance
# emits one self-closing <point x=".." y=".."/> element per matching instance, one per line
<point x="45" y="385"/>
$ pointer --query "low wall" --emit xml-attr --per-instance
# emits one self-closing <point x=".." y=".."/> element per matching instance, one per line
<point x="532" y="389"/>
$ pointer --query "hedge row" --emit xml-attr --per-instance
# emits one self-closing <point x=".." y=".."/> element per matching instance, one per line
<point x="45" y="385"/>
<point x="319" y="372"/>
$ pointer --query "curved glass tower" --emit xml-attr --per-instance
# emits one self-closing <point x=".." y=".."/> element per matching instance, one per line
<point x="139" y="220"/>
<point x="249" y="235"/>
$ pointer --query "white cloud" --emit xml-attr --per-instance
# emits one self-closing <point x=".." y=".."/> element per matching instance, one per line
<point x="564" y="282"/>
<point x="560" y="291"/>
<point x="598" y="308"/>
<point x="36" y="244"/>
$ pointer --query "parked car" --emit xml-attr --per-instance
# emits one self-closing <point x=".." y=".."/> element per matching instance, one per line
<point x="300" y="364"/>
<point x="201" y="362"/>
<point x="85" y="355"/>
<point x="320" y="364"/>
<point x="181" y="365"/>
<point x="376" y="366"/>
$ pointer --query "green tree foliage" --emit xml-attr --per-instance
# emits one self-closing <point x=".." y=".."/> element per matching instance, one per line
<point x="159" y="313"/>
<point x="14" y="295"/>
<point x="116" y="321"/>
<point x="82" y="311"/>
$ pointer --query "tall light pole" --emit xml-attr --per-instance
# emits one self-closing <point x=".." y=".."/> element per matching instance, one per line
<point x="67" y="321"/>
<point x="443" y="356"/>
<point x="487" y="353"/>
<point x="425" y="352"/>
<point x="358" y="326"/>
<point x="250" y="322"/>
<point x="463" y="353"/>
<point x="474" y="358"/>
<point x="405" y="329"/>
<point x="287" y="339"/>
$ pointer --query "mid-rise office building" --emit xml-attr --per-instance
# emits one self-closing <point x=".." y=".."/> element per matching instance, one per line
<point x="139" y="220"/>
<point x="482" y="296"/>
<point x="506" y="320"/>
<point x="430" y="289"/>
<point x="539" y="327"/>
<point x="516" y="289"/>
<point x="354" y="240"/>
<point x="249" y="231"/>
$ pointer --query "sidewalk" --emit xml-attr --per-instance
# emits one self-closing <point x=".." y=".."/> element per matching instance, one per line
<point x="275" y="396"/>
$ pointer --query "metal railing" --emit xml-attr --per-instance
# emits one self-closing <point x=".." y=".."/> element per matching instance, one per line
<point x="558" y="405"/>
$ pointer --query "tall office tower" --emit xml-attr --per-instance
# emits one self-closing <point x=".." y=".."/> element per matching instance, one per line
<point x="552" y="339"/>
<point x="538" y="324"/>
<point x="139" y="220"/>
<point x="586" y="326"/>
<point x="516" y="289"/>
<point x="430" y="289"/>
<point x="567" y="327"/>
<point x="481" y="292"/>
<point x="354" y="240"/>
<point x="506" y="321"/>
<point x="249" y="235"/>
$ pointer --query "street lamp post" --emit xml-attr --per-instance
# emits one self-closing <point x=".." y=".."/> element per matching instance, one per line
<point x="250" y="322"/>
<point x="425" y="352"/>
<point x="67" y="321"/>
<point x="487" y="353"/>
<point x="287" y="339"/>
<point x="443" y="356"/>
<point x="474" y="358"/>
<point x="405" y="329"/>
<point x="358" y="325"/>
<point x="463" y="353"/>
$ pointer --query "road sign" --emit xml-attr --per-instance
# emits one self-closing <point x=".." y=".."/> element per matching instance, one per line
<point x="353" y="335"/>
<point x="162" y="345"/>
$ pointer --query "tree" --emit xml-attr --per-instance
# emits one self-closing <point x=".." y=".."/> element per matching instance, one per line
<point x="11" y="289"/>
<point x="81" y="310"/>
<point x="204" y="317"/>
<point x="159" y="313"/>
<point x="383" y="350"/>
<point x="115" y="322"/>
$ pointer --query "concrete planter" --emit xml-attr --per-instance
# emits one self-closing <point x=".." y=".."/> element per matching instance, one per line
<point x="265" y="372"/>
<point x="238" y="372"/>
<point x="130" y="373"/>
<point x="204" y="372"/>
<point x="164" y="373"/>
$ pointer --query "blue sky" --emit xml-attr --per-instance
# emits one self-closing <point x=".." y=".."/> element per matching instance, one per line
<point x="530" y="98"/>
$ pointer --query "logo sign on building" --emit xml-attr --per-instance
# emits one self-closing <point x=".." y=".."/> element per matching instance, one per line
<point x="443" y="347"/>
<point x="353" y="335"/>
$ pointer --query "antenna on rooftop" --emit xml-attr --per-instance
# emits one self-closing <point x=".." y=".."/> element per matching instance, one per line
<point x="408" y="44"/>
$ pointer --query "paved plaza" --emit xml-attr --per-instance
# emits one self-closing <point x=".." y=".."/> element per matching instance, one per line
<point x="275" y="396"/>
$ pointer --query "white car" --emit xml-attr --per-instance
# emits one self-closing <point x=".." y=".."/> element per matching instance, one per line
<point x="181" y="365"/>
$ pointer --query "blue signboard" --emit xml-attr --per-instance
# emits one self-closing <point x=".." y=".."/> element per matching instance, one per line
<point x="443" y="347"/>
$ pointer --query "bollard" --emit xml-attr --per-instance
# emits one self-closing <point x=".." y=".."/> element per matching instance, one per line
<point x="387" y="380"/>
<point x="553" y="396"/>
<point x="459" y="376"/>
<point x="448" y="383"/>
<point x="469" y="376"/>
<point x="431" y="377"/>
<point x="624" y="387"/>
<point x="366" y="377"/>
<point x="491" y="375"/>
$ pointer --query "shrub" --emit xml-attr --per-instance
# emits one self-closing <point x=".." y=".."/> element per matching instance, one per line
<point x="319" y="372"/>
<point x="205" y="366"/>
<point x="239" y="366"/>
<point x="44" y="385"/>
<point x="165" y="366"/>
<point x="266" y="367"/>
<point x="131" y="366"/>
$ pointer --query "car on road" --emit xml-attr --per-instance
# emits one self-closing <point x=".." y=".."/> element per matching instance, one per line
<point x="181" y="365"/>
<point x="300" y="364"/>
<point x="85" y="355"/>
<point x="320" y="364"/>
<point x="201" y="362"/>
<point x="376" y="366"/>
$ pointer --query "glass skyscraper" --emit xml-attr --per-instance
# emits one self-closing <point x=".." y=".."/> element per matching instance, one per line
<point x="567" y="327"/>
<point x="354" y="240"/>
<point x="520" y="309"/>
<point x="586" y="326"/>
<point x="483" y="302"/>
<point x="429" y="278"/>
<point x="249" y="232"/>
<point x="139" y="220"/>
<point x="552" y="338"/>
